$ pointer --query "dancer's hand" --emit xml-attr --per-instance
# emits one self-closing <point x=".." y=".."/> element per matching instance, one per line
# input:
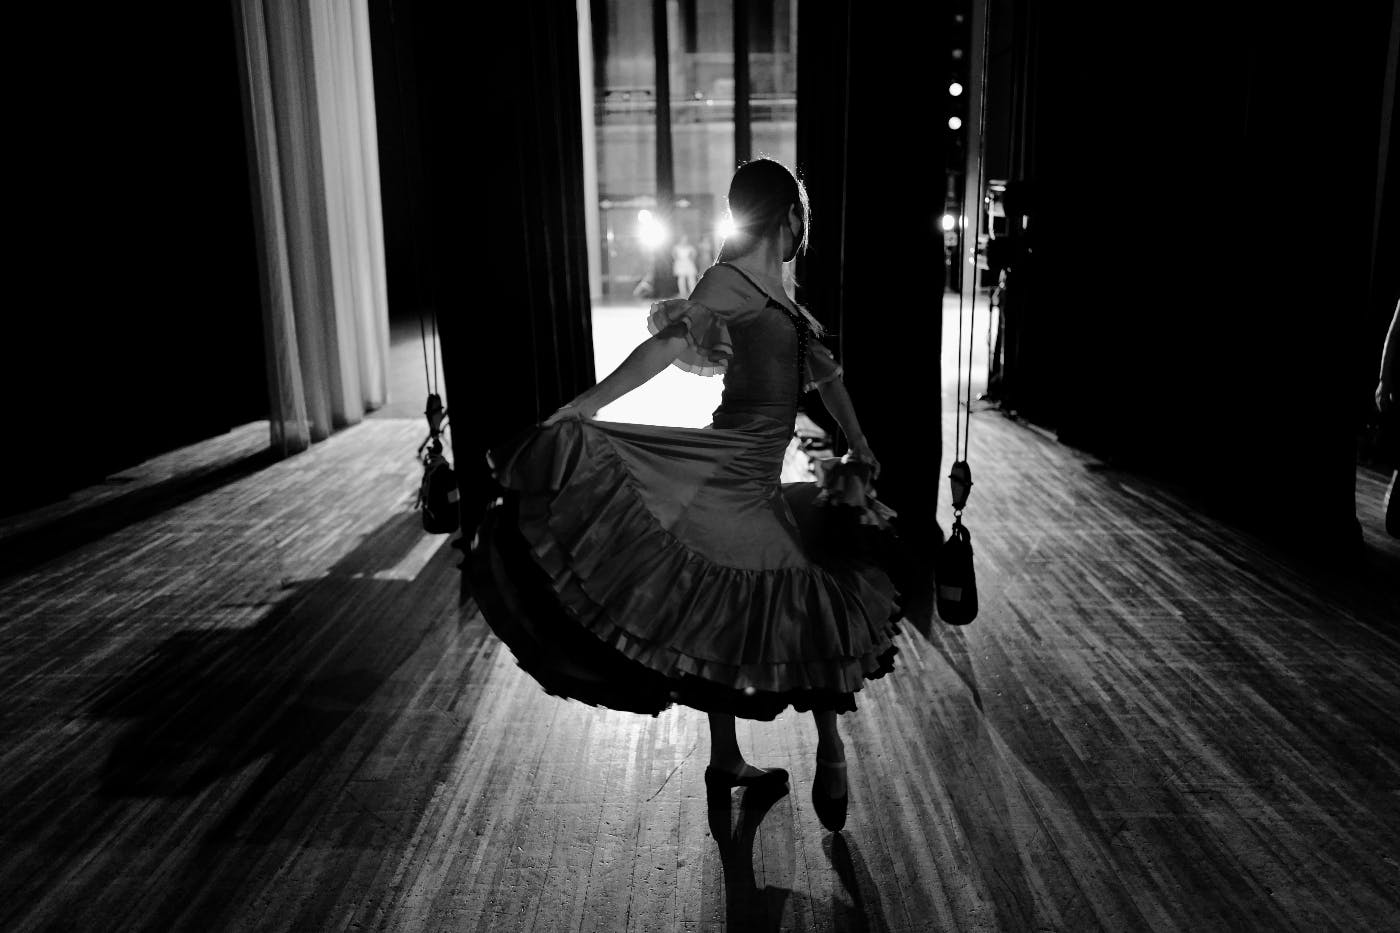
<point x="1382" y="397"/>
<point x="580" y="408"/>
<point x="861" y="451"/>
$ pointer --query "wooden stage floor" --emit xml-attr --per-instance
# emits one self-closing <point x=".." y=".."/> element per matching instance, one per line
<point x="262" y="709"/>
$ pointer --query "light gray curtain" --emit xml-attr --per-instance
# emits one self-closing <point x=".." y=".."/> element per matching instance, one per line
<point x="309" y="103"/>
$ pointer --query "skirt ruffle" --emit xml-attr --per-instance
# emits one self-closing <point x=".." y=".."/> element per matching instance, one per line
<point x="634" y="567"/>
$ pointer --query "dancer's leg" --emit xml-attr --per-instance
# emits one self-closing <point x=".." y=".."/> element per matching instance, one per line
<point x="830" y="748"/>
<point x="724" y="749"/>
<point x="724" y="744"/>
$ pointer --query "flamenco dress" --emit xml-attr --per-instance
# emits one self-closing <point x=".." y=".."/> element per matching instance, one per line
<point x="635" y="566"/>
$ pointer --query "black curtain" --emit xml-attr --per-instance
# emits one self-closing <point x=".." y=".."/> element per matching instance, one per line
<point x="1384" y="448"/>
<point x="871" y="149"/>
<point x="495" y="125"/>
<point x="1197" y="292"/>
<point x="401" y="182"/>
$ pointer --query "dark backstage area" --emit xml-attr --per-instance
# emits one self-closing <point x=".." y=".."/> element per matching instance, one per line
<point x="702" y="465"/>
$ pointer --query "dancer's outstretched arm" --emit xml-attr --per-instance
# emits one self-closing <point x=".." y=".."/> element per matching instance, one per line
<point x="649" y="358"/>
<point x="838" y="401"/>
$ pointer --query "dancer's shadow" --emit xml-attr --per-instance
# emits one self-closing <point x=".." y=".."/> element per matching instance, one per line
<point x="206" y="704"/>
<point x="751" y="907"/>
<point x="277" y="736"/>
<point x="864" y="912"/>
<point x="747" y="906"/>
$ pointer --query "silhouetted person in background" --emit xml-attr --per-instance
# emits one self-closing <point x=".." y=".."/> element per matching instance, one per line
<point x="995" y="355"/>
<point x="683" y="266"/>
<point x="707" y="252"/>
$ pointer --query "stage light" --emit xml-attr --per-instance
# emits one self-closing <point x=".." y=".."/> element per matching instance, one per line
<point x="955" y="123"/>
<point x="949" y="222"/>
<point x="955" y="89"/>
<point x="651" y="231"/>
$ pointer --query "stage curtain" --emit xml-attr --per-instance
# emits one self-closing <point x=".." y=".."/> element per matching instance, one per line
<point x="496" y="107"/>
<point x="873" y="162"/>
<point x="1181" y="309"/>
<point x="310" y="118"/>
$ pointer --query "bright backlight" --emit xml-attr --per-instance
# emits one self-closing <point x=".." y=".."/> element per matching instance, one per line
<point x="651" y="231"/>
<point x="725" y="228"/>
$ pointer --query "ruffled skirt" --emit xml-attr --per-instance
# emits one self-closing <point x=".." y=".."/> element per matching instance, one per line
<point x="632" y="567"/>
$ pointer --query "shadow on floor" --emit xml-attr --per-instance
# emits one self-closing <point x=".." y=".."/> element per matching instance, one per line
<point x="277" y="738"/>
<point x="206" y="704"/>
<point x="749" y="907"/>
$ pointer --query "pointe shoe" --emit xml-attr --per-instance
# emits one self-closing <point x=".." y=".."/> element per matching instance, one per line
<point x="720" y="779"/>
<point x="830" y="810"/>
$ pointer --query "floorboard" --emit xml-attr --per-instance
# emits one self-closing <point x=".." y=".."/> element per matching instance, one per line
<point x="264" y="709"/>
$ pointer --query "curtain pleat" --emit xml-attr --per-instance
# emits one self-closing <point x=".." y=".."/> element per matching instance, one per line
<point x="309" y="88"/>
<point x="288" y="401"/>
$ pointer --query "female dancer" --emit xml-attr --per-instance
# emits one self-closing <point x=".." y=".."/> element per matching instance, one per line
<point x="634" y="566"/>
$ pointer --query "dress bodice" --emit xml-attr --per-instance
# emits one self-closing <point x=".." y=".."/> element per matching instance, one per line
<point x="742" y="325"/>
<point x="763" y="372"/>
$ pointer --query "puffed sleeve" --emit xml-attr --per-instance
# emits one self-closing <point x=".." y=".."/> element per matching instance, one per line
<point x="721" y="299"/>
<point x="821" y="366"/>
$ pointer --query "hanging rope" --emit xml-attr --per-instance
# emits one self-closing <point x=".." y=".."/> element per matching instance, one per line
<point x="437" y="494"/>
<point x="423" y="335"/>
<point x="954" y="571"/>
<point x="957" y="355"/>
<point x="977" y="226"/>
<point x="436" y="347"/>
<point x="434" y="410"/>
